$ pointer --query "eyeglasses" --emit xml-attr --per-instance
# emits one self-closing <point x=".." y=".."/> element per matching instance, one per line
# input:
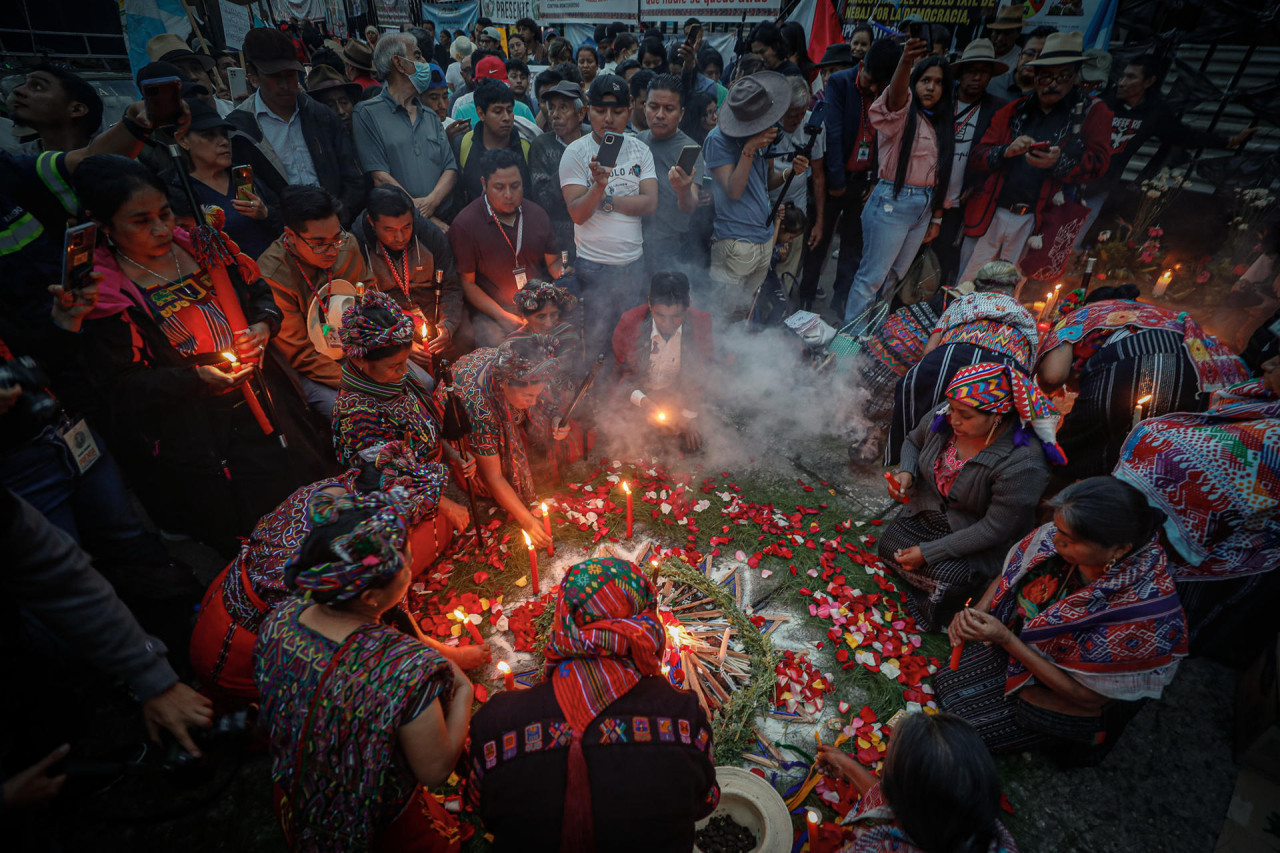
<point x="1030" y="53"/>
<point x="328" y="245"/>
<point x="1061" y="77"/>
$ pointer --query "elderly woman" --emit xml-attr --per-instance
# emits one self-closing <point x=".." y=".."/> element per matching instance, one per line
<point x="987" y="325"/>
<point x="604" y="754"/>
<point x="939" y="790"/>
<point x="970" y="477"/>
<point x="1083" y="623"/>
<point x="249" y="216"/>
<point x="253" y="585"/>
<point x="360" y="716"/>
<point x="1214" y="476"/>
<point x="1119" y="352"/>
<point x="381" y="400"/>
<point x="168" y="312"/>
<point x="497" y="387"/>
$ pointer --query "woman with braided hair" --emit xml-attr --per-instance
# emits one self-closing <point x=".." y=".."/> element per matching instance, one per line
<point x="380" y="400"/>
<point x="498" y="386"/>
<point x="253" y="585"/>
<point x="360" y="716"/>
<point x="604" y="754"/>
<point x="548" y="309"/>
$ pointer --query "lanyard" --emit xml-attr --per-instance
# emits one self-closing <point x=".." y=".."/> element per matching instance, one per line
<point x="311" y="287"/>
<point x="963" y="118"/>
<point x="515" y="250"/>
<point x="403" y="283"/>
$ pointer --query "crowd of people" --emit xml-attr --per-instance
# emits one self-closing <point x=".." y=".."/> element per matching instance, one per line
<point x="319" y="320"/>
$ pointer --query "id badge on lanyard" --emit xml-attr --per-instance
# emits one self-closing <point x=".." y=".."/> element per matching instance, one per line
<point x="79" y="441"/>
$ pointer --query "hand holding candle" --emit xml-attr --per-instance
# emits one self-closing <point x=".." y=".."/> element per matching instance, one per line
<point x="626" y="487"/>
<point x="461" y="616"/>
<point x="508" y="677"/>
<point x="533" y="563"/>
<point x="958" y="650"/>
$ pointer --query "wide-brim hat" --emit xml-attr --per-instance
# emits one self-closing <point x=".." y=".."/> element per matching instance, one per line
<point x="1097" y="66"/>
<point x="270" y="51"/>
<point x="1061" y="49"/>
<point x="838" y="54"/>
<point x="323" y="78"/>
<point x="168" y="47"/>
<point x="755" y="103"/>
<point x="981" y="50"/>
<point x="1008" y="18"/>
<point x="357" y="54"/>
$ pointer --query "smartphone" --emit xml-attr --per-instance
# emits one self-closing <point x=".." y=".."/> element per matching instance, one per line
<point x="922" y="30"/>
<point x="242" y="178"/>
<point x="610" y="148"/>
<point x="1041" y="146"/>
<point x="77" y="255"/>
<point x="163" y="97"/>
<point x="688" y="157"/>
<point x="695" y="33"/>
<point x="236" y="82"/>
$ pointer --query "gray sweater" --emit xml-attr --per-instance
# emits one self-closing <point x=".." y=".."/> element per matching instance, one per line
<point x="991" y="504"/>
<point x="46" y="573"/>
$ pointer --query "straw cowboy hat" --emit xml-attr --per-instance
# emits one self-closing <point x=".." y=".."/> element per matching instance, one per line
<point x="981" y="50"/>
<point x="1008" y="18"/>
<point x="755" y="103"/>
<point x="167" y="47"/>
<point x="1061" y="49"/>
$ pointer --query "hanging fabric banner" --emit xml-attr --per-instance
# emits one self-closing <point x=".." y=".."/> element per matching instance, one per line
<point x="143" y="20"/>
<point x="1093" y="18"/>
<point x="452" y="16"/>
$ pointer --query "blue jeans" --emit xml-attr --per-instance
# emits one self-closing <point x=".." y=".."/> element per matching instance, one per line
<point x="892" y="231"/>
<point x="93" y="507"/>
<point x="608" y="291"/>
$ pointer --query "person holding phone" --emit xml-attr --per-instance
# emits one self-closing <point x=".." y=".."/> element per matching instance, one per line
<point x="250" y="209"/>
<point x="608" y="190"/>
<point x="677" y="159"/>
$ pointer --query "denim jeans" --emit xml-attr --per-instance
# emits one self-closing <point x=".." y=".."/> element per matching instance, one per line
<point x="892" y="231"/>
<point x="608" y="291"/>
<point x="93" y="507"/>
<point x="319" y="396"/>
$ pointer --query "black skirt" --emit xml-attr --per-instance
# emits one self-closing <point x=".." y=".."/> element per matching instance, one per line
<point x="935" y="592"/>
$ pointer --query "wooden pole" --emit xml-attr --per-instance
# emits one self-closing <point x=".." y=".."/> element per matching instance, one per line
<point x="208" y="48"/>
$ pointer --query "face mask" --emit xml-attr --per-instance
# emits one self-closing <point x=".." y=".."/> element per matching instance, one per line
<point x="421" y="76"/>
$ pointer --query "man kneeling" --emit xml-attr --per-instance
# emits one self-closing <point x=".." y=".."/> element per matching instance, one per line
<point x="661" y="350"/>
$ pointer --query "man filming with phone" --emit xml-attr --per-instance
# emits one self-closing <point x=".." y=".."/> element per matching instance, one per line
<point x="678" y="162"/>
<point x="609" y="183"/>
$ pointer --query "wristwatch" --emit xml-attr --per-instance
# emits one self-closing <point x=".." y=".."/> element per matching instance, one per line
<point x="606" y="203"/>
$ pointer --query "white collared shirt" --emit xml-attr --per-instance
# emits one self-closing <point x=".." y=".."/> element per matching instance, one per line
<point x="664" y="359"/>
<point x="287" y="140"/>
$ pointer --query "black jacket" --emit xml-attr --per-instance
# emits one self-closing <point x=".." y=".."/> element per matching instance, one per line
<point x="430" y="252"/>
<point x="332" y="151"/>
<point x="843" y="118"/>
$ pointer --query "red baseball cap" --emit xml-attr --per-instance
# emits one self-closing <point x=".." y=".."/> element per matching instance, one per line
<point x="491" y="68"/>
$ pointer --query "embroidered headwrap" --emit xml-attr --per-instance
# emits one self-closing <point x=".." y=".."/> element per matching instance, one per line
<point x="998" y="388"/>
<point x="527" y="358"/>
<point x="362" y="334"/>
<point x="413" y="483"/>
<point x="371" y="551"/>
<point x="537" y="294"/>
<point x="604" y="637"/>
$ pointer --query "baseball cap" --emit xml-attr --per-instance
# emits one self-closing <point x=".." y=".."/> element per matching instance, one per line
<point x="491" y="68"/>
<point x="270" y="51"/>
<point x="565" y="89"/>
<point x="609" y="90"/>
<point x="491" y="33"/>
<point x="437" y="78"/>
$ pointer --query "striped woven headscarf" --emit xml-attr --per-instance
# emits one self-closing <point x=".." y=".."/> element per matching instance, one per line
<point x="361" y="334"/>
<point x="374" y="549"/>
<point x="605" y="636"/>
<point x="999" y="388"/>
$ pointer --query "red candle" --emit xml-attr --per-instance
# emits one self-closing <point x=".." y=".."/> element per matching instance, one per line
<point x="812" y="821"/>
<point x="466" y="620"/>
<point x="533" y="562"/>
<point x="508" y="677"/>
<point x="957" y="651"/>
<point x="626" y="487"/>
<point x="546" y="525"/>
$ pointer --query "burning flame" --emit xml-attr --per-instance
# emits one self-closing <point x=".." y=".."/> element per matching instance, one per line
<point x="813" y="817"/>
<point x="674" y="632"/>
<point x="1166" y="277"/>
<point x="527" y="541"/>
<point x="231" y="357"/>
<point x="662" y="416"/>
<point x="544" y="508"/>
<point x="626" y="487"/>
<point x="461" y="615"/>
<point x="1144" y="400"/>
<point x="504" y="667"/>
<point x="425" y="331"/>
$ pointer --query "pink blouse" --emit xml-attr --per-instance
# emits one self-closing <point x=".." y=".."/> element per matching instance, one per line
<point x="946" y="468"/>
<point x="922" y="171"/>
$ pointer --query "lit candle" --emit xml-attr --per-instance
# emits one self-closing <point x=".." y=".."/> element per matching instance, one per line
<point x="546" y="525"/>
<point x="533" y="562"/>
<point x="662" y="417"/>
<point x="426" y="332"/>
<point x="1137" y="409"/>
<point x="626" y="487"/>
<point x="1162" y="283"/>
<point x="461" y="616"/>
<point x="508" y="677"/>
<point x="957" y="651"/>
<point x="812" y="821"/>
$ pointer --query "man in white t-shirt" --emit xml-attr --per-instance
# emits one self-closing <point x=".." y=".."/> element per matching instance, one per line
<point x="606" y="206"/>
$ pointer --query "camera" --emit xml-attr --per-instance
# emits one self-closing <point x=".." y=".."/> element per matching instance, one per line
<point x="36" y="405"/>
